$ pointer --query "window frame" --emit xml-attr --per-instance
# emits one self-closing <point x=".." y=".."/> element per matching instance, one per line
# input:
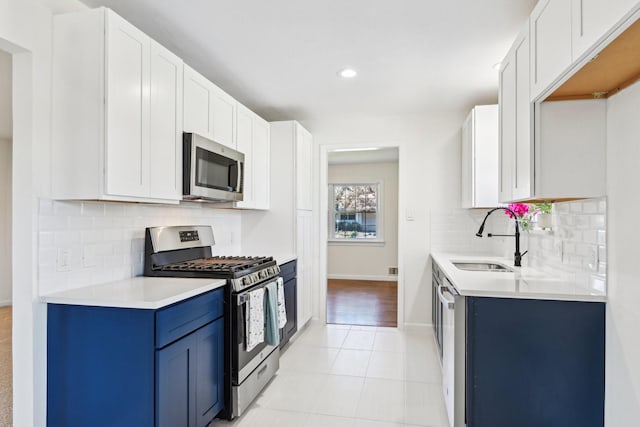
<point x="379" y="240"/>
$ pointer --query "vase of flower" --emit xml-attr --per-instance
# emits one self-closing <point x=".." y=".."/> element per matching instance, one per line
<point x="523" y="216"/>
<point x="542" y="212"/>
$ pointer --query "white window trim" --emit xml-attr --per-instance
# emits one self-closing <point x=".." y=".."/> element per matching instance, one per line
<point x="379" y="240"/>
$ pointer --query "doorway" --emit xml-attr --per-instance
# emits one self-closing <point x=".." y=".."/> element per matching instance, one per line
<point x="362" y="240"/>
<point x="6" y="281"/>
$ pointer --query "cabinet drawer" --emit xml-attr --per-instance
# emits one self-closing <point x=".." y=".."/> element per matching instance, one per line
<point x="184" y="317"/>
<point x="288" y="270"/>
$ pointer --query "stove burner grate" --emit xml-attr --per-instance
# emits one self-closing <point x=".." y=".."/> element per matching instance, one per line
<point x="230" y="264"/>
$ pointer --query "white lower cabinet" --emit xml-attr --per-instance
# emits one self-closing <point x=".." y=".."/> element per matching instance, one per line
<point x="252" y="137"/>
<point x="117" y="112"/>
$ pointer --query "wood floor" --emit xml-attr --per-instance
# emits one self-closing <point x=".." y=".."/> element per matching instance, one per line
<point x="362" y="302"/>
<point x="6" y="381"/>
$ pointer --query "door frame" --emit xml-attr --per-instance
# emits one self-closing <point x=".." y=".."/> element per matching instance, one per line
<point x="324" y="226"/>
<point x="29" y="370"/>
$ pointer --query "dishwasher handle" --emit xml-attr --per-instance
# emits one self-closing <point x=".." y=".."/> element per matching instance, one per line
<point x="448" y="303"/>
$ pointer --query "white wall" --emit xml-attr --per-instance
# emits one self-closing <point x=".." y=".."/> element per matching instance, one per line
<point x="622" y="402"/>
<point x="368" y="261"/>
<point x="429" y="177"/>
<point x="25" y="31"/>
<point x="6" y="279"/>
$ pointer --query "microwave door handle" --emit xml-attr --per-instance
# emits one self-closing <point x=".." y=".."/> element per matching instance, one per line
<point x="240" y="175"/>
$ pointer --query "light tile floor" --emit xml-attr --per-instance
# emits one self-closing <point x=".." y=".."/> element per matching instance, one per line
<point x="352" y="376"/>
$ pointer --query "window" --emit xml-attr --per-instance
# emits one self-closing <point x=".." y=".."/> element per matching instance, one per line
<point x="355" y="214"/>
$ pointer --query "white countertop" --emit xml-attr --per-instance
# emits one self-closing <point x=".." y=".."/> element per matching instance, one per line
<point x="523" y="282"/>
<point x="137" y="292"/>
<point x="284" y="258"/>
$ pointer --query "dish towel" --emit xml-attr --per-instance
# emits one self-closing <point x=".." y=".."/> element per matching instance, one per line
<point x="271" y="312"/>
<point x="254" y="319"/>
<point x="282" y="310"/>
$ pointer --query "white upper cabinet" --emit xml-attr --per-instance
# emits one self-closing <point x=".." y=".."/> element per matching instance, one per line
<point x="480" y="158"/>
<point x="116" y="114"/>
<point x="198" y="104"/>
<point x="516" y="118"/>
<point x="304" y="144"/>
<point x="224" y="117"/>
<point x="261" y="154"/>
<point x="524" y="149"/>
<point x="571" y="149"/>
<point x="127" y="103"/>
<point x="507" y="127"/>
<point x="592" y="19"/>
<point x="550" y="43"/>
<point x="252" y="135"/>
<point x="208" y="110"/>
<point x="165" y="137"/>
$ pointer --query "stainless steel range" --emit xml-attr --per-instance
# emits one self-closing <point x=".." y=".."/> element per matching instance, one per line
<point x="185" y="251"/>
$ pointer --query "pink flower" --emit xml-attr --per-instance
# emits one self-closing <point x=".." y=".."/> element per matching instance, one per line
<point x="520" y="209"/>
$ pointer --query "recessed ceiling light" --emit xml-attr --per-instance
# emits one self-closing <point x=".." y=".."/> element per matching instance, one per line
<point x="342" y="150"/>
<point x="348" y="73"/>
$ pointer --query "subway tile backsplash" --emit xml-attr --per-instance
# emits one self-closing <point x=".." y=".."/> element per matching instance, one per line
<point x="576" y="248"/>
<point x="86" y="243"/>
<point x="454" y="231"/>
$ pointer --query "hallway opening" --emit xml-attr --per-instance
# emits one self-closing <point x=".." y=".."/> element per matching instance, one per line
<point x="362" y="244"/>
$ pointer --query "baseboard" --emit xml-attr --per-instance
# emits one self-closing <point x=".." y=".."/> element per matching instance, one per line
<point x="363" y="277"/>
<point x="5" y="303"/>
<point x="417" y="326"/>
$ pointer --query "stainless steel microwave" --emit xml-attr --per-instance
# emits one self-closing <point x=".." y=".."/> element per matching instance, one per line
<point x="211" y="171"/>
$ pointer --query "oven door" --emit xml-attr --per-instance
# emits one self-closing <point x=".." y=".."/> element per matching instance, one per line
<point x="244" y="362"/>
<point x="211" y="171"/>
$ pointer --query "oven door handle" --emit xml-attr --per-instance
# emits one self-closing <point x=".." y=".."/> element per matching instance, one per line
<point x="242" y="299"/>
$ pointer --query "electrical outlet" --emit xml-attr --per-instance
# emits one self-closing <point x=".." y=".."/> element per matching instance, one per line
<point x="558" y="248"/>
<point x="393" y="271"/>
<point x="63" y="260"/>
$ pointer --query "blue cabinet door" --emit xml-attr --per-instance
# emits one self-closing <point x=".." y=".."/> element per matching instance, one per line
<point x="190" y="374"/>
<point x="533" y="363"/>
<point x="176" y="384"/>
<point x="209" y="396"/>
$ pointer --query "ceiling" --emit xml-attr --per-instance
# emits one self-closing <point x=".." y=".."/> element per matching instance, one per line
<point x="6" y="116"/>
<point x="384" y="155"/>
<point x="280" y="57"/>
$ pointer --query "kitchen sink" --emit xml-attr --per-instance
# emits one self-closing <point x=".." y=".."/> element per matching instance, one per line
<point x="483" y="266"/>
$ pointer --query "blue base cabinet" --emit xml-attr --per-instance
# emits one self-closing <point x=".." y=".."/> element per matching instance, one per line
<point x="288" y="271"/>
<point x="533" y="363"/>
<point x="132" y="367"/>
<point x="189" y="380"/>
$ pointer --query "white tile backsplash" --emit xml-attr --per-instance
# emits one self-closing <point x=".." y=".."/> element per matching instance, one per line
<point x="455" y="231"/>
<point x="105" y="241"/>
<point x="579" y="234"/>
<point x="579" y="231"/>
